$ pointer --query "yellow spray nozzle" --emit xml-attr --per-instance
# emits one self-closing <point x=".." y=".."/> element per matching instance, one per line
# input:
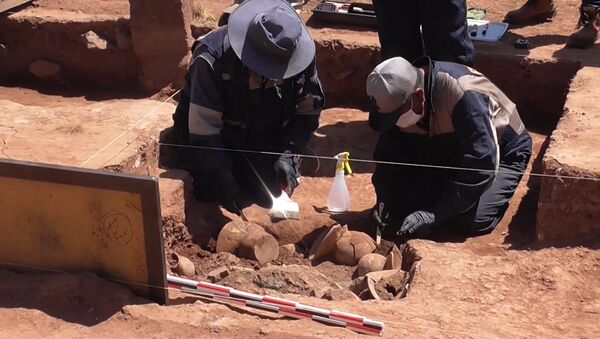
<point x="343" y="162"/>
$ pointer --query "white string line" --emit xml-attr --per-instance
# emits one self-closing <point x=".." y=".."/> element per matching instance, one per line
<point x="407" y="164"/>
<point x="129" y="128"/>
<point x="206" y="297"/>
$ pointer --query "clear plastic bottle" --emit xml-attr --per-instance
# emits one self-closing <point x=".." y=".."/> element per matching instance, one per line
<point x="338" y="200"/>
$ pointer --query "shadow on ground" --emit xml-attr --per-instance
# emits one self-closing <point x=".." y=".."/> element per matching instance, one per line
<point x="83" y="299"/>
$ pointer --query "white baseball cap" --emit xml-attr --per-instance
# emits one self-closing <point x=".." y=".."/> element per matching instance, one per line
<point x="389" y="87"/>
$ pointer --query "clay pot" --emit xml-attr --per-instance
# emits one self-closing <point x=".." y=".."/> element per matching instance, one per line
<point x="183" y="266"/>
<point x="352" y="246"/>
<point x="370" y="263"/>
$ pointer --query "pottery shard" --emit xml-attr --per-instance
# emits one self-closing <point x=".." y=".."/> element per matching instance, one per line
<point x="393" y="260"/>
<point x="370" y="263"/>
<point x="352" y="246"/>
<point x="326" y="241"/>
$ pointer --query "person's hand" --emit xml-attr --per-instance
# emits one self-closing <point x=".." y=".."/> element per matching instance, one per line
<point x="286" y="174"/>
<point x="419" y="220"/>
<point x="380" y="217"/>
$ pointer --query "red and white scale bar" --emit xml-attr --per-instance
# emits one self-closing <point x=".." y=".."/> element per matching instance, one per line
<point x="285" y="307"/>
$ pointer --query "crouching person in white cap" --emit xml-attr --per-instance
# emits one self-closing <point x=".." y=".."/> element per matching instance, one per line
<point x="252" y="85"/>
<point x="439" y="115"/>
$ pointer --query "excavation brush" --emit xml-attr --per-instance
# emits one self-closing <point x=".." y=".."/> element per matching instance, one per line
<point x="282" y="207"/>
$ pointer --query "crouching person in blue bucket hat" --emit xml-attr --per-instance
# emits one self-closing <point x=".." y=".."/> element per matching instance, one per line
<point x="251" y="86"/>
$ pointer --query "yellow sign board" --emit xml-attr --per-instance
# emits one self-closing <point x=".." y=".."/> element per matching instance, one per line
<point x="70" y="219"/>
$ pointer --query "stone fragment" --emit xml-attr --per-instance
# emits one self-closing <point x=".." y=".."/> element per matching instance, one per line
<point x="218" y="274"/>
<point x="94" y="41"/>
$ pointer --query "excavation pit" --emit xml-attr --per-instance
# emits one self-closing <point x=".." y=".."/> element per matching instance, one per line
<point x="345" y="128"/>
<point x="191" y="228"/>
<point x="481" y="285"/>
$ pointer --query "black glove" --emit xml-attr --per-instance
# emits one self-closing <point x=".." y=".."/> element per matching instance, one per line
<point x="286" y="172"/>
<point x="230" y="196"/>
<point x="380" y="216"/>
<point x="417" y="221"/>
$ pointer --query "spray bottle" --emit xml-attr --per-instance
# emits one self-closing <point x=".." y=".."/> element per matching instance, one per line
<point x="339" y="199"/>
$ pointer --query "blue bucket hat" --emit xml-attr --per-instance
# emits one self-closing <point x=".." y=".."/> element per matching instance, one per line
<point x="270" y="38"/>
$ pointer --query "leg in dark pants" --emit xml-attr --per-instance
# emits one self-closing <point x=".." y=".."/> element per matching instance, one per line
<point x="485" y="216"/>
<point x="398" y="27"/>
<point x="445" y="31"/>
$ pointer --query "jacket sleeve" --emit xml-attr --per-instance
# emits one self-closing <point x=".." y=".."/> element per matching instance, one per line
<point x="478" y="151"/>
<point x="205" y="115"/>
<point x="305" y="119"/>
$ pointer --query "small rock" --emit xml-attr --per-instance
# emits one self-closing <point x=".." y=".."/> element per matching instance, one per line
<point x="45" y="70"/>
<point x="183" y="266"/>
<point x="340" y="294"/>
<point x="94" y="41"/>
<point x="287" y="250"/>
<point x="218" y="274"/>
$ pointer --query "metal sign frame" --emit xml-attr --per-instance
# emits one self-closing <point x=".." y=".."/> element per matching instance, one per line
<point x="145" y="186"/>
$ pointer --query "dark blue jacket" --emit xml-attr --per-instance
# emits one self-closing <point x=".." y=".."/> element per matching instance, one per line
<point x="224" y="106"/>
<point x="468" y="123"/>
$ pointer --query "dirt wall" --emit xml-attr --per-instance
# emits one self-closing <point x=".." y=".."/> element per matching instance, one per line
<point x="538" y="87"/>
<point x="102" y="58"/>
<point x="568" y="212"/>
<point x="162" y="39"/>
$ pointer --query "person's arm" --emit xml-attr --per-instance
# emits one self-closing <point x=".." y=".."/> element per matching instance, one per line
<point x="205" y="125"/>
<point x="300" y="128"/>
<point x="478" y="154"/>
<point x="305" y="119"/>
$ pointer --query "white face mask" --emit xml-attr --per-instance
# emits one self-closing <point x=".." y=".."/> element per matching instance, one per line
<point x="409" y="118"/>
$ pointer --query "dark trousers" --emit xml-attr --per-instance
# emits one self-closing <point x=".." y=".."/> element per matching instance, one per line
<point x="406" y="189"/>
<point x="444" y="36"/>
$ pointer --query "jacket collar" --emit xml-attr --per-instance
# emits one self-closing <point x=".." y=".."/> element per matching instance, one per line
<point x="430" y="74"/>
